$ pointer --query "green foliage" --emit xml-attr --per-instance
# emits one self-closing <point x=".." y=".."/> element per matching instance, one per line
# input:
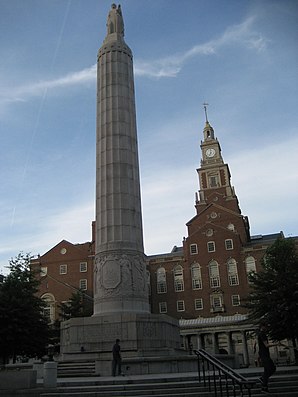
<point x="23" y="328"/>
<point x="77" y="306"/>
<point x="274" y="294"/>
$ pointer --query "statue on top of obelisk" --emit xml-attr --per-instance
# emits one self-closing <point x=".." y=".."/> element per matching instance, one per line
<point x="115" y="21"/>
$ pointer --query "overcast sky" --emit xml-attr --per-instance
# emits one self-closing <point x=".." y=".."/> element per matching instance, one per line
<point x="239" y="56"/>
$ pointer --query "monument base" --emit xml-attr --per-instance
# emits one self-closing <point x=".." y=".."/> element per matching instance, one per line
<point x="142" y="336"/>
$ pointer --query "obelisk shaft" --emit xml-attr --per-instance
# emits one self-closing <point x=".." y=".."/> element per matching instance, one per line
<point x="120" y="269"/>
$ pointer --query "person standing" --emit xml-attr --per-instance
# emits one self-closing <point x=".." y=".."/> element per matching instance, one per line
<point x="116" y="363"/>
<point x="264" y="355"/>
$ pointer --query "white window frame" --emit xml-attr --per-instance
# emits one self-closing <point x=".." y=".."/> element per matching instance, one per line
<point x="235" y="300"/>
<point x="217" y="304"/>
<point x="211" y="246"/>
<point x="196" y="278"/>
<point x="215" y="276"/>
<point x="250" y="266"/>
<point x="199" y="304"/>
<point x="83" y="284"/>
<point x="180" y="306"/>
<point x="43" y="271"/>
<point x="178" y="279"/>
<point x="83" y="267"/>
<point x="232" y="272"/>
<point x="193" y="249"/>
<point x="229" y="244"/>
<point x="63" y="269"/>
<point x="161" y="281"/>
<point x="163" y="307"/>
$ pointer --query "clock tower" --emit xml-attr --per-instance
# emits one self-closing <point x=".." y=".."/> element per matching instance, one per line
<point x="214" y="175"/>
<point x="216" y="203"/>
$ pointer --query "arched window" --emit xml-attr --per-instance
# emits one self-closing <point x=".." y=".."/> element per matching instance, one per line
<point x="250" y="265"/>
<point x="49" y="310"/>
<point x="161" y="280"/>
<point x="214" y="274"/>
<point x="178" y="278"/>
<point x="232" y="272"/>
<point x="196" y="276"/>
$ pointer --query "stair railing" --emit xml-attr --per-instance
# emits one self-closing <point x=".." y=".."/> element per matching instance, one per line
<point x="220" y="377"/>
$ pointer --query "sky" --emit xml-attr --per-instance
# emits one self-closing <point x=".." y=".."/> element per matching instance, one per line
<point x="240" y="57"/>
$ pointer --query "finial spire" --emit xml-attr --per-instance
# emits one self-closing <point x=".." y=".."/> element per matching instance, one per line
<point x="205" y="109"/>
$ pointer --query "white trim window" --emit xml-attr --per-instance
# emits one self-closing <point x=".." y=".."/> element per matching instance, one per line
<point x="49" y="309"/>
<point x="214" y="274"/>
<point x="161" y="281"/>
<point x="229" y="244"/>
<point x="196" y="276"/>
<point x="83" y="267"/>
<point x="180" y="306"/>
<point x="250" y="266"/>
<point x="163" y="308"/>
<point x="211" y="246"/>
<point x="63" y="269"/>
<point x="193" y="248"/>
<point x="178" y="278"/>
<point x="199" y="304"/>
<point x="216" y="301"/>
<point x="83" y="284"/>
<point x="232" y="272"/>
<point x="235" y="300"/>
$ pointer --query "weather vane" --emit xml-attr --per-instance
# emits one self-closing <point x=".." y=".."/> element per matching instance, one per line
<point x="205" y="109"/>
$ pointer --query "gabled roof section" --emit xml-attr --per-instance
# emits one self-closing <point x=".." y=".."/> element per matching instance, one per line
<point x="66" y="250"/>
<point x="217" y="206"/>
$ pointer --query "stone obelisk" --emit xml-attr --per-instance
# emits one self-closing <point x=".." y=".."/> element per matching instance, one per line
<point x="121" y="300"/>
<point x="120" y="279"/>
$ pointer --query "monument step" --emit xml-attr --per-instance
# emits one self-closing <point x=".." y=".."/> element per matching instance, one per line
<point x="76" y="369"/>
<point x="280" y="386"/>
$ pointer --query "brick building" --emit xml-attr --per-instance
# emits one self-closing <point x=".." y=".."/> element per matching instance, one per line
<point x="202" y="283"/>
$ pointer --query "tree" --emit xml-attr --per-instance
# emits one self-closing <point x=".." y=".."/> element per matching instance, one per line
<point x="77" y="306"/>
<point x="274" y="294"/>
<point x="24" y="329"/>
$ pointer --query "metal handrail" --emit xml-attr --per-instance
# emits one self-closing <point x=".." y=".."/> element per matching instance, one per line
<point x="230" y="378"/>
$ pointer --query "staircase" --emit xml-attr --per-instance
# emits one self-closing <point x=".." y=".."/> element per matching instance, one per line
<point x="76" y="369"/>
<point x="283" y="384"/>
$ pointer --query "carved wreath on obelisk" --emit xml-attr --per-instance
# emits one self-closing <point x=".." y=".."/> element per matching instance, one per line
<point x="120" y="274"/>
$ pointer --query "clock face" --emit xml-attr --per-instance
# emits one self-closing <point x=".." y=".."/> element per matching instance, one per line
<point x="210" y="152"/>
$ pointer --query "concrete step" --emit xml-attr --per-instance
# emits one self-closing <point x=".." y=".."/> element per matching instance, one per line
<point x="75" y="369"/>
<point x="280" y="386"/>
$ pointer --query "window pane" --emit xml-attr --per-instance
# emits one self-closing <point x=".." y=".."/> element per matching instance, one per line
<point x="63" y="269"/>
<point x="214" y="274"/>
<point x="233" y="272"/>
<point x="199" y="304"/>
<point x="163" y="307"/>
<point x="178" y="279"/>
<point x="211" y="246"/>
<point x="161" y="281"/>
<point x="180" y="306"/>
<point x="196" y="277"/>
<point x="83" y="267"/>
<point x="83" y="284"/>
<point x="235" y="300"/>
<point x="193" y="249"/>
<point x="229" y="244"/>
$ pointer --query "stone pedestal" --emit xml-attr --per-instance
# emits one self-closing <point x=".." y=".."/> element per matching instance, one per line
<point x="141" y="336"/>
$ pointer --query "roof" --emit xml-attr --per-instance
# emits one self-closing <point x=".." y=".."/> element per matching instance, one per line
<point x="176" y="251"/>
<point x="218" y="320"/>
